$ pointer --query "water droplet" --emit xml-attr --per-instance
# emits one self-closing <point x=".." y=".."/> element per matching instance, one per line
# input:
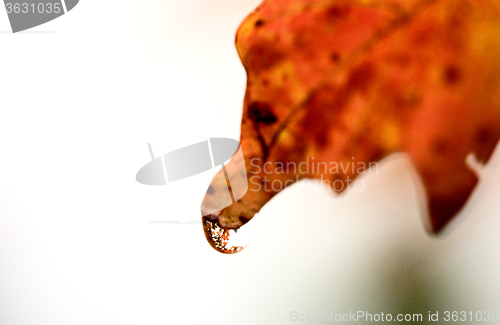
<point x="229" y="241"/>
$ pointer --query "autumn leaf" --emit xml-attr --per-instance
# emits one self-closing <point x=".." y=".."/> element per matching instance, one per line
<point x="355" y="81"/>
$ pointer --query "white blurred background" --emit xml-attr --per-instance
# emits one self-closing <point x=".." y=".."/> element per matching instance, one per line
<point x="81" y="96"/>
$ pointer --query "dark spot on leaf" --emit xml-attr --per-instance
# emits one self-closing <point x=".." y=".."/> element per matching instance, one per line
<point x="263" y="57"/>
<point x="244" y="219"/>
<point x="376" y="155"/>
<point x="265" y="82"/>
<point x="210" y="190"/>
<point x="261" y="113"/>
<point x="440" y="146"/>
<point x="484" y="135"/>
<point x="361" y="77"/>
<point x="321" y="140"/>
<point x="452" y="75"/>
<point x="259" y="23"/>
<point x="335" y="13"/>
<point x="335" y="57"/>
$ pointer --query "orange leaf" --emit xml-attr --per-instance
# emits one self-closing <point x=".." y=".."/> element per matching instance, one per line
<point x="354" y="81"/>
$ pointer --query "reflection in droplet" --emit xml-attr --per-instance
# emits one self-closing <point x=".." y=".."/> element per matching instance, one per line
<point x="228" y="241"/>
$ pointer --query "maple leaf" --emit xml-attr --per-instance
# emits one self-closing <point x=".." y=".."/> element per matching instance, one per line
<point x="354" y="81"/>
